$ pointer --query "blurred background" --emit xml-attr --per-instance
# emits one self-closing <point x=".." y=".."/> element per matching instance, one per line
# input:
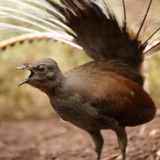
<point x="25" y="101"/>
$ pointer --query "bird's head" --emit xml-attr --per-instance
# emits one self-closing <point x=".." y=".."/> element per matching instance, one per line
<point x="45" y="74"/>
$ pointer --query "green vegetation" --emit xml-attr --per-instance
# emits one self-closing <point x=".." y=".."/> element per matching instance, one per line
<point x="154" y="78"/>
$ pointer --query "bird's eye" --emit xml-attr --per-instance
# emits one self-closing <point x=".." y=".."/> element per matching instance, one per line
<point x="40" y="68"/>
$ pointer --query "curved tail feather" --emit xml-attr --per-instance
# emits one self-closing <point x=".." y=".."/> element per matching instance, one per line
<point x="39" y="36"/>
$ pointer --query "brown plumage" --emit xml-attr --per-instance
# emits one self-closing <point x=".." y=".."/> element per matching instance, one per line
<point x="106" y="93"/>
<point x="94" y="96"/>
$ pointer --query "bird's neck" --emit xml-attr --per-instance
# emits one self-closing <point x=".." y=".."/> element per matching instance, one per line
<point x="58" y="89"/>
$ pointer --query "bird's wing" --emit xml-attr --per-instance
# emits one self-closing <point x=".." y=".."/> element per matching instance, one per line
<point x="112" y="95"/>
<point x="103" y="28"/>
<point x="128" y="103"/>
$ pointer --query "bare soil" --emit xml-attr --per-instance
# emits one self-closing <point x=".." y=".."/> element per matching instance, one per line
<point x="53" y="139"/>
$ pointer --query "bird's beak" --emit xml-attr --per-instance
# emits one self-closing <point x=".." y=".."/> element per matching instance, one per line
<point x="30" y="76"/>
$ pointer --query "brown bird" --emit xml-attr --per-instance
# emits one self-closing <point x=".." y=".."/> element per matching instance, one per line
<point x="106" y="93"/>
<point x="93" y="97"/>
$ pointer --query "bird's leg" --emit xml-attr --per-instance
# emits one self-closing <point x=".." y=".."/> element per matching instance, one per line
<point x="98" y="142"/>
<point x="122" y="140"/>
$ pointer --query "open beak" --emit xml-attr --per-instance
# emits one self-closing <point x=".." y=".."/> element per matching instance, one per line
<point x="30" y="76"/>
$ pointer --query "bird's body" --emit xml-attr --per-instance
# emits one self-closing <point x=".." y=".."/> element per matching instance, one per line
<point x="86" y="98"/>
<point x="94" y="96"/>
<point x="106" y="93"/>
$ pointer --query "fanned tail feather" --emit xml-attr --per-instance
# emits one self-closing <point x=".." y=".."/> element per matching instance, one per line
<point x="105" y="29"/>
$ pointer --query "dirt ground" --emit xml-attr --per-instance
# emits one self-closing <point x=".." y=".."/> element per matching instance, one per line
<point x="52" y="139"/>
